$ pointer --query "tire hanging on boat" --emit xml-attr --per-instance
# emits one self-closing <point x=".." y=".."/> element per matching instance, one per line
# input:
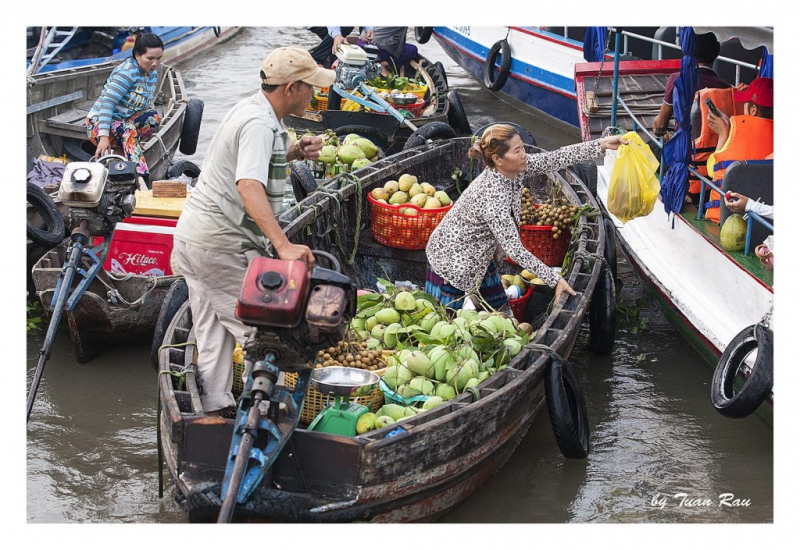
<point x="432" y="131"/>
<point x="567" y="408"/>
<point x="54" y="230"/>
<point x="175" y="297"/>
<point x="526" y="137"/>
<point x="74" y="149"/>
<point x="303" y="181"/>
<point x="190" y="131"/>
<point x="502" y="49"/>
<point x="182" y="167"/>
<point x="603" y="314"/>
<point x="758" y="384"/>
<point x="440" y="69"/>
<point x="422" y="34"/>
<point x="456" y="115"/>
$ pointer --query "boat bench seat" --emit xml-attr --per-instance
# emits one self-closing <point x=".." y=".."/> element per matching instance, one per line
<point x="69" y="123"/>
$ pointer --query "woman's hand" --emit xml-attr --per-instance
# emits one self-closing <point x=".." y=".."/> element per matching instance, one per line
<point x="561" y="287"/>
<point x="612" y="142"/>
<point x="719" y="125"/>
<point x="338" y="40"/>
<point x="103" y="147"/>
<point x="738" y="203"/>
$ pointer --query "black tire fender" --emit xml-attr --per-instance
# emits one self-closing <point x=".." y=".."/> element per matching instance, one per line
<point x="217" y="31"/>
<point x="302" y="179"/>
<point x="758" y="384"/>
<point x="502" y="49"/>
<point x="54" y="230"/>
<point x="567" y="408"/>
<point x="74" y="148"/>
<point x="377" y="137"/>
<point x="440" y="69"/>
<point x="610" y="251"/>
<point x="422" y="34"/>
<point x="175" y="297"/>
<point x="181" y="167"/>
<point x="603" y="314"/>
<point x="190" y="131"/>
<point x="432" y="131"/>
<point x="456" y="115"/>
<point x="526" y="137"/>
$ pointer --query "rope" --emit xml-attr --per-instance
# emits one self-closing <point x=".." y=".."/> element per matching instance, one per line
<point x="115" y="298"/>
<point x="348" y="258"/>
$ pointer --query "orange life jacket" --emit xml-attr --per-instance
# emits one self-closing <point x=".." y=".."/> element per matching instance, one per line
<point x="750" y="138"/>
<point x="706" y="143"/>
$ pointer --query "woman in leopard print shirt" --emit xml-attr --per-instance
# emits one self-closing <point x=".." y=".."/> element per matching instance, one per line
<point x="486" y="217"/>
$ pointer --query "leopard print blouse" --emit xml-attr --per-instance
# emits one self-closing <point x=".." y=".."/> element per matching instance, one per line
<point x="485" y="219"/>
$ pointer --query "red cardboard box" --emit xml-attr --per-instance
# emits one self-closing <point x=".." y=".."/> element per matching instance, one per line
<point x="141" y="245"/>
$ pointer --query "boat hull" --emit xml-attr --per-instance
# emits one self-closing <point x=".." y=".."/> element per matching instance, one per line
<point x="541" y="66"/>
<point x="96" y="324"/>
<point x="444" y="454"/>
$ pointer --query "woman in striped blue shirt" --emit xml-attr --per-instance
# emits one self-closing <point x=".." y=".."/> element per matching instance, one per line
<point x="123" y="115"/>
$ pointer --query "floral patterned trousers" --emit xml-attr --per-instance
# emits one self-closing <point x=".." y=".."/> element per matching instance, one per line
<point x="129" y="135"/>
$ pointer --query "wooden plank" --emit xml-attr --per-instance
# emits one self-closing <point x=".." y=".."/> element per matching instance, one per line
<point x="147" y="205"/>
<point x="169" y="188"/>
<point x="54" y="102"/>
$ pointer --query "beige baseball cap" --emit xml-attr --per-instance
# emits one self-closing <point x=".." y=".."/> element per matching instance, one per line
<point x="291" y="64"/>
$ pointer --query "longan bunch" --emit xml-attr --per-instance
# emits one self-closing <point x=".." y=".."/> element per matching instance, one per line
<point x="352" y="354"/>
<point x="558" y="214"/>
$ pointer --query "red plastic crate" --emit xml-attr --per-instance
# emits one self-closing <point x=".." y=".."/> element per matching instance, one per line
<point x="391" y="228"/>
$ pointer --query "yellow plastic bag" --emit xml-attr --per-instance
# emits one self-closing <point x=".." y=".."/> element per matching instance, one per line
<point x="634" y="185"/>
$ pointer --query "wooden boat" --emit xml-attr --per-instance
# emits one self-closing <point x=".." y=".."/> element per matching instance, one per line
<point x="680" y="260"/>
<point x="444" y="454"/>
<point x="443" y="106"/>
<point x="57" y="104"/>
<point x="72" y="47"/>
<point x="538" y="69"/>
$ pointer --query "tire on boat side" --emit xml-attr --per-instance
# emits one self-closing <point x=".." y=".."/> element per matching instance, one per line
<point x="54" y="230"/>
<point x="303" y="181"/>
<point x="432" y="131"/>
<point x="190" y="131"/>
<point x="74" y="149"/>
<point x="526" y="137"/>
<point x="489" y="80"/>
<point x="175" y="297"/>
<point x="456" y="116"/>
<point x="567" y="408"/>
<point x="603" y="314"/>
<point x="440" y="69"/>
<point x="422" y="34"/>
<point x="181" y="167"/>
<point x="758" y="385"/>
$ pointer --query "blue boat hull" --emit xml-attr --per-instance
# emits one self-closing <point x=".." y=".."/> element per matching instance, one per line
<point x="531" y="85"/>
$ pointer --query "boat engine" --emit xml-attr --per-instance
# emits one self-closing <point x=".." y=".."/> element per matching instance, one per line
<point x="98" y="195"/>
<point x="294" y="312"/>
<point x="356" y="65"/>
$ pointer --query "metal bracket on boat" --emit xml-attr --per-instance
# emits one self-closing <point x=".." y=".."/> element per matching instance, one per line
<point x="248" y="461"/>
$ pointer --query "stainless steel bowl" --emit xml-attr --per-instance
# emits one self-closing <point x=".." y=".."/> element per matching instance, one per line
<point x="344" y="381"/>
<point x="404" y="99"/>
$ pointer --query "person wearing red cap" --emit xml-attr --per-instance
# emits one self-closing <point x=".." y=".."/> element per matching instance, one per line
<point x="230" y="217"/>
<point x="742" y="137"/>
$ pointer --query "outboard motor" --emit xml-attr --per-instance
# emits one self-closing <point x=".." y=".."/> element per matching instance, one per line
<point x="356" y="65"/>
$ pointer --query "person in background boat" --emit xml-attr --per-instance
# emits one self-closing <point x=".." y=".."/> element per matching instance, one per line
<point x="393" y="51"/>
<point x="484" y="221"/>
<point x="230" y="217"/>
<point x="324" y="53"/>
<point x="124" y="116"/>
<point x="706" y="52"/>
<point x="742" y="137"/>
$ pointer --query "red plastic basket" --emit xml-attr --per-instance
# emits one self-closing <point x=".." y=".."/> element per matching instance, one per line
<point x="391" y="228"/>
<point x="519" y="305"/>
<point x="414" y="108"/>
<point x="539" y="241"/>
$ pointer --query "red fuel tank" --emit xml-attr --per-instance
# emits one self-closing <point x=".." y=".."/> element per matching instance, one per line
<point x="274" y="293"/>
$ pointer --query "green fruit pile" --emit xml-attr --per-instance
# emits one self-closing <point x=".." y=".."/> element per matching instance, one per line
<point x="407" y="191"/>
<point x="352" y="153"/>
<point x="557" y="213"/>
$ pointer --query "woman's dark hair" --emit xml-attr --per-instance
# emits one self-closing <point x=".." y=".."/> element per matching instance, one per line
<point x="144" y="42"/>
<point x="494" y="141"/>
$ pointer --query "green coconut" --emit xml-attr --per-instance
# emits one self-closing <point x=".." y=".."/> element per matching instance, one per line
<point x="327" y="155"/>
<point x="361" y="163"/>
<point x="369" y="148"/>
<point x="733" y="233"/>
<point x="349" y="153"/>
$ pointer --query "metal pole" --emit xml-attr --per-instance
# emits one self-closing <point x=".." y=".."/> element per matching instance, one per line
<point x="616" y="81"/>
